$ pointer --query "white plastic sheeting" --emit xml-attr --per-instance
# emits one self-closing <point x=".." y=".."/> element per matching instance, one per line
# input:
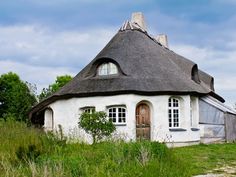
<point x="210" y="114"/>
<point x="217" y="121"/>
<point x="230" y="125"/>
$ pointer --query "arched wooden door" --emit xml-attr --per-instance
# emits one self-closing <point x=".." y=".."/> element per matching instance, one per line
<point x="143" y="122"/>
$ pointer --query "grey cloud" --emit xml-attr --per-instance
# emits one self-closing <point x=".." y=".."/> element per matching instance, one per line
<point x="37" y="45"/>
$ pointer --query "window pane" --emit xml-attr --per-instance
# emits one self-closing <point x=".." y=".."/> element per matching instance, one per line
<point x="169" y="113"/>
<point x="112" y="114"/>
<point x="170" y="102"/>
<point x="117" y="114"/>
<point x="107" y="69"/>
<point x="173" y="112"/>
<point x="89" y="110"/>
<point x="112" y="69"/>
<point x="103" y="69"/>
<point x="175" y="103"/>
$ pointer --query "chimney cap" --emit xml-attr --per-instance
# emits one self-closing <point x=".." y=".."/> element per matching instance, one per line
<point x="138" y="17"/>
<point x="162" y="38"/>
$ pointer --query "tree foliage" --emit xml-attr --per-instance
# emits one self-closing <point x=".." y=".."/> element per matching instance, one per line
<point x="60" y="82"/>
<point x="97" y="125"/>
<point x="16" y="99"/>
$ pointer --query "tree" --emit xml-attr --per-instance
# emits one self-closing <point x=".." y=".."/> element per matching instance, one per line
<point x="60" y="82"/>
<point x="97" y="125"/>
<point x="16" y="99"/>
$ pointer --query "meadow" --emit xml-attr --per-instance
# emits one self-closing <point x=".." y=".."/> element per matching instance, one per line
<point x="26" y="151"/>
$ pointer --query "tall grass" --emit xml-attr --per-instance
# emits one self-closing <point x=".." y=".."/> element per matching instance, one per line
<point x="26" y="151"/>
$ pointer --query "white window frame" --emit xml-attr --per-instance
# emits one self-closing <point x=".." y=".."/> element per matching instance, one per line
<point x="116" y="116"/>
<point x="88" y="109"/>
<point x="174" y="112"/>
<point x="108" y="68"/>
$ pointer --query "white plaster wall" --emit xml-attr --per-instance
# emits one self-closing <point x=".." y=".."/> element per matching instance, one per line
<point x="66" y="113"/>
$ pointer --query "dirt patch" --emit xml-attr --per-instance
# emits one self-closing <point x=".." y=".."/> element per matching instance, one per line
<point x="223" y="171"/>
<point x="211" y="175"/>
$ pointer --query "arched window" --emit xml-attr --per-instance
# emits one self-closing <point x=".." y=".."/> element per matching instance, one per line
<point x="174" y="112"/>
<point x="48" y="119"/>
<point x="107" y="69"/>
<point x="117" y="114"/>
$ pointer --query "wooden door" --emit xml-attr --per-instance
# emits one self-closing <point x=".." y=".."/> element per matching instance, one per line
<point x="143" y="122"/>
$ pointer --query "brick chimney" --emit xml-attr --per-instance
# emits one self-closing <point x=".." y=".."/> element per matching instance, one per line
<point x="138" y="17"/>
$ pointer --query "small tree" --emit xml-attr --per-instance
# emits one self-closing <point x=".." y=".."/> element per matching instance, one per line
<point x="59" y="82"/>
<point x="97" y="125"/>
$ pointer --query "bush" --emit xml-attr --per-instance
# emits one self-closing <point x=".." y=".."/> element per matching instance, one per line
<point x="97" y="125"/>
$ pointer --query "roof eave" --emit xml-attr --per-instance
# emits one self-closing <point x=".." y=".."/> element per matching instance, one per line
<point x="42" y="105"/>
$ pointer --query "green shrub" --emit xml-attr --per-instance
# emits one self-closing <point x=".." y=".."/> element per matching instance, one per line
<point x="97" y="125"/>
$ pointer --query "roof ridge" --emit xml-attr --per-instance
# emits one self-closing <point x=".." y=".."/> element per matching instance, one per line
<point x="128" y="25"/>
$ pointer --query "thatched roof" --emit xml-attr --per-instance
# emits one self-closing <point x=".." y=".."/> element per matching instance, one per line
<point x="145" y="68"/>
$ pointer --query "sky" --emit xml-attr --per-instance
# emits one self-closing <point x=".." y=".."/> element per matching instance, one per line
<point x="41" y="39"/>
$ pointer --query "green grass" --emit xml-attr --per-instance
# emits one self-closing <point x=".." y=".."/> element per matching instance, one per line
<point x="28" y="152"/>
<point x="205" y="158"/>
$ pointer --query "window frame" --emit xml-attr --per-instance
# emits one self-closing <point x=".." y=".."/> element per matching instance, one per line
<point x="174" y="112"/>
<point x="107" y="69"/>
<point x="88" y="109"/>
<point x="117" y="114"/>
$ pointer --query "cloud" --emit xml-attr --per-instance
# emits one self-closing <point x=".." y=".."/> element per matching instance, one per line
<point x="39" y="54"/>
<point x="218" y="63"/>
<point x="41" y="76"/>
<point x="65" y="35"/>
<point x="38" y="45"/>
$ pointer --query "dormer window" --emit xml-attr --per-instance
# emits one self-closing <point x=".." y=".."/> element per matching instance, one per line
<point x="107" y="69"/>
<point x="194" y="74"/>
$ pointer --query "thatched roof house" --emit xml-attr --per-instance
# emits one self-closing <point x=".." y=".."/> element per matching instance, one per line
<point x="135" y="72"/>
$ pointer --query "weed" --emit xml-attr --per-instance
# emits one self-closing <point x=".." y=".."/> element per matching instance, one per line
<point x="29" y="153"/>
